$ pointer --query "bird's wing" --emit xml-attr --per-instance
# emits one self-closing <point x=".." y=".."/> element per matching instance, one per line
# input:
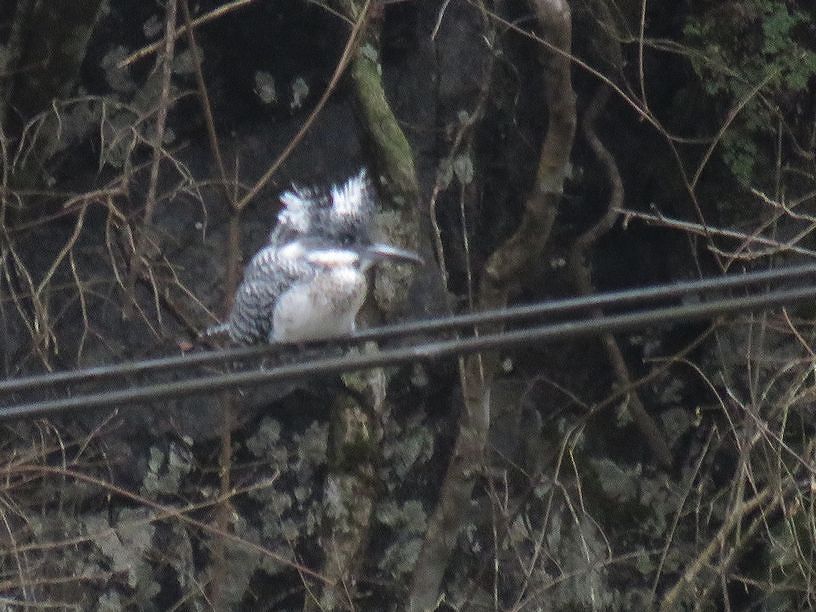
<point x="270" y="273"/>
<point x="251" y="316"/>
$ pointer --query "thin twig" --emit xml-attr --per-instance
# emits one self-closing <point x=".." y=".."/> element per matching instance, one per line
<point x="158" y="137"/>
<point x="207" y="17"/>
<point x="345" y="58"/>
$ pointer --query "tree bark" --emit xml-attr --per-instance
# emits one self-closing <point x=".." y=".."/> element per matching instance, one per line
<point x="499" y="281"/>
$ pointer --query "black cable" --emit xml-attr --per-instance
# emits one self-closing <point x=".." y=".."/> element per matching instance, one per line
<point x="430" y="326"/>
<point x="421" y="352"/>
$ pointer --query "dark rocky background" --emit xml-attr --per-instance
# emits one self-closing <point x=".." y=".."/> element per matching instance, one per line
<point x="671" y="467"/>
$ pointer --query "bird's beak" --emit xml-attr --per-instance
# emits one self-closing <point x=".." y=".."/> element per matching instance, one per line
<point x="385" y="252"/>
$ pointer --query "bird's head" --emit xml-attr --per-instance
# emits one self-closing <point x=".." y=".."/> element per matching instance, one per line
<point x="341" y="214"/>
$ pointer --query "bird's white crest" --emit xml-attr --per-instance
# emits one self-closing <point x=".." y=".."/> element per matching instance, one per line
<point x="296" y="210"/>
<point x="349" y="198"/>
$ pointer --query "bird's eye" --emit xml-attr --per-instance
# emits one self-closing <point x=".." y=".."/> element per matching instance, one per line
<point x="346" y="238"/>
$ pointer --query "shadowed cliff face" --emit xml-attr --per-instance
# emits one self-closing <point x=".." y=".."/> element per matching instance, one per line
<point x="344" y="477"/>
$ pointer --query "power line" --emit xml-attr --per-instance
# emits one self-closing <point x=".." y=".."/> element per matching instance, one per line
<point x="420" y="352"/>
<point x="430" y="326"/>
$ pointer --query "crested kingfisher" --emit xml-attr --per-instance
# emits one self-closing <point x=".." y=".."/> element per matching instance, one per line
<point x="309" y="281"/>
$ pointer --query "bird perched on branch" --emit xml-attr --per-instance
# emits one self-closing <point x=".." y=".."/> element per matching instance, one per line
<point x="310" y="280"/>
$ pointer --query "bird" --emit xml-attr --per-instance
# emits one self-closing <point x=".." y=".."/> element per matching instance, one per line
<point x="309" y="281"/>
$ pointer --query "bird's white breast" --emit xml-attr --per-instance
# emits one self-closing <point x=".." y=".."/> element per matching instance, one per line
<point x="324" y="307"/>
